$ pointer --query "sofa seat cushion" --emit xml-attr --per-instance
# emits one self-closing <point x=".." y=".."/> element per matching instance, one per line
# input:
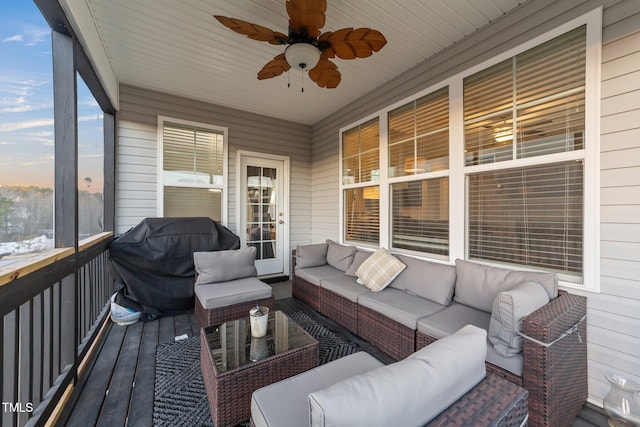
<point x="314" y="275"/>
<point x="478" y="285"/>
<point x="512" y="364"/>
<point x="426" y="279"/>
<point x="399" y="306"/>
<point x="445" y="322"/>
<point x="223" y="294"/>
<point x="410" y="392"/>
<point x="345" y="286"/>
<point x="284" y="404"/>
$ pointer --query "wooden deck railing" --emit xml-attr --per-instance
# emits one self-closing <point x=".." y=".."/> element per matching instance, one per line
<point x="52" y="307"/>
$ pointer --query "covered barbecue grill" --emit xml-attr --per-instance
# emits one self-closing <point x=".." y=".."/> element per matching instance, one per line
<point x="152" y="263"/>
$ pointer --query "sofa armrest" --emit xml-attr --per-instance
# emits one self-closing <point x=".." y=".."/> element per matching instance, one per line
<point x="552" y="320"/>
<point x="555" y="360"/>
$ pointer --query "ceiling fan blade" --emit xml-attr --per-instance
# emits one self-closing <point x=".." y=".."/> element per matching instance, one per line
<point x="350" y="43"/>
<point x="253" y="31"/>
<point x="325" y="74"/>
<point x="307" y="13"/>
<point x="273" y="68"/>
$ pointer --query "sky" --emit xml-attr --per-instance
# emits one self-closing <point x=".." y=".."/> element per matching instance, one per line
<point x="26" y="105"/>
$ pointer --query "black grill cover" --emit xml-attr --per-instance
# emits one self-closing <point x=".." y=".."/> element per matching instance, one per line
<point x="152" y="263"/>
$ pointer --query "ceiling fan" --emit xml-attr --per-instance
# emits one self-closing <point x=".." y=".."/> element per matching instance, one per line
<point x="308" y="49"/>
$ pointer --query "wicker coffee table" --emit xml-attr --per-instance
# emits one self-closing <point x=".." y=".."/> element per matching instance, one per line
<point x="231" y="376"/>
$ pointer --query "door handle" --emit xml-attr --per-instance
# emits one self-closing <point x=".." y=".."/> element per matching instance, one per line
<point x="281" y="222"/>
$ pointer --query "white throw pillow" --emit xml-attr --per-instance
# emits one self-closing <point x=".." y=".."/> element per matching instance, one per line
<point x="379" y="270"/>
<point x="509" y="308"/>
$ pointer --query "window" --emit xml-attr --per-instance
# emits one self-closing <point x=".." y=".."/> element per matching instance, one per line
<point x="193" y="170"/>
<point x="360" y="165"/>
<point x="26" y="134"/>
<point x="418" y="147"/>
<point x="529" y="106"/>
<point x="496" y="164"/>
<point x="90" y="163"/>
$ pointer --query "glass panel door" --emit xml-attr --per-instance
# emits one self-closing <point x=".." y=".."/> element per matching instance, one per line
<point x="262" y="215"/>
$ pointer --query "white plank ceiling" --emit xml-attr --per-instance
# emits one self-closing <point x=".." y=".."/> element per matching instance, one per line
<point x="177" y="47"/>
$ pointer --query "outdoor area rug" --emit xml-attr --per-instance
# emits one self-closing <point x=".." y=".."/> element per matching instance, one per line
<point x="180" y="398"/>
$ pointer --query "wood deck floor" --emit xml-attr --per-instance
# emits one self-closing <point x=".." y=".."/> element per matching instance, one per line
<point x="118" y="390"/>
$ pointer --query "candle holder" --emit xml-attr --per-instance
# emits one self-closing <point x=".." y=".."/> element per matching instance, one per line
<point x="622" y="404"/>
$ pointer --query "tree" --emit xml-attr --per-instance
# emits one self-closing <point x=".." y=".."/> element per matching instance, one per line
<point x="6" y="207"/>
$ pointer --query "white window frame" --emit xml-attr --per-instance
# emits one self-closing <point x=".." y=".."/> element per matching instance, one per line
<point x="458" y="172"/>
<point x="160" y="175"/>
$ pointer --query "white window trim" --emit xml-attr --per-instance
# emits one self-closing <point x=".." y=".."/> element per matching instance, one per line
<point x="458" y="171"/>
<point x="160" y="157"/>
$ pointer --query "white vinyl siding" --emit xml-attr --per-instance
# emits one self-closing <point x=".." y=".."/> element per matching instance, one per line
<point x="137" y="154"/>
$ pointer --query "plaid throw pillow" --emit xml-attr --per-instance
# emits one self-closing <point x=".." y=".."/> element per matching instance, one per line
<point x="377" y="271"/>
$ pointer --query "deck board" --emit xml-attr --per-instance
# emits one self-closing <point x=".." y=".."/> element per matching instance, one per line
<point x="141" y="406"/>
<point x="89" y="403"/>
<point x="130" y="352"/>
<point x="116" y="402"/>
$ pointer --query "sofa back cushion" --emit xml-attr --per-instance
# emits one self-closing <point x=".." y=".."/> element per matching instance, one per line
<point x="407" y="393"/>
<point x="509" y="308"/>
<point x="478" y="285"/>
<point x="340" y="256"/>
<point x="222" y="266"/>
<point x="358" y="258"/>
<point x="426" y="279"/>
<point x="311" y="255"/>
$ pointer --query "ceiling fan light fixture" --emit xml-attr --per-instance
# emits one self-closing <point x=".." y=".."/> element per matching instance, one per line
<point x="302" y="56"/>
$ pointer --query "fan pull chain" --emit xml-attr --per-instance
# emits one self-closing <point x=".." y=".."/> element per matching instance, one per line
<point x="288" y="80"/>
<point x="302" y="79"/>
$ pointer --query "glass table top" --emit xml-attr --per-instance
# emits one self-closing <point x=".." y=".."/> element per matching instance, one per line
<point x="232" y="345"/>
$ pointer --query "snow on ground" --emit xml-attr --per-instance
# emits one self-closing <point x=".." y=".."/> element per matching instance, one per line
<point x="38" y="244"/>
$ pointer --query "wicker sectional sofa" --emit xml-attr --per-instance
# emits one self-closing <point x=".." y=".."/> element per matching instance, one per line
<point x="427" y="301"/>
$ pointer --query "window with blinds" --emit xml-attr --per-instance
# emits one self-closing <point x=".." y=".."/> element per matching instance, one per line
<point x="528" y="107"/>
<point x="362" y="214"/>
<point x="192" y="171"/>
<point x="420" y="215"/>
<point x="419" y="135"/>
<point x="361" y="153"/>
<point x="532" y="104"/>
<point x="530" y="216"/>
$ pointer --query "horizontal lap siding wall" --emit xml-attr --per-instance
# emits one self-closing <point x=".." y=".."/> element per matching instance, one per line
<point x="614" y="323"/>
<point x="136" y="175"/>
<point x="614" y="314"/>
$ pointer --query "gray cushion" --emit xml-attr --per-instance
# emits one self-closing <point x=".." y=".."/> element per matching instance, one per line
<point x="407" y="393"/>
<point x="379" y="270"/>
<point x="345" y="286"/>
<point x="478" y="285"/>
<point x="426" y="279"/>
<point x="448" y="320"/>
<point x="512" y="364"/>
<point x="339" y="256"/>
<point x="311" y="255"/>
<point x="358" y="259"/>
<point x="222" y="294"/>
<point x="400" y="306"/>
<point x="284" y="404"/>
<point x="509" y="308"/>
<point x="314" y="275"/>
<point x="222" y="266"/>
